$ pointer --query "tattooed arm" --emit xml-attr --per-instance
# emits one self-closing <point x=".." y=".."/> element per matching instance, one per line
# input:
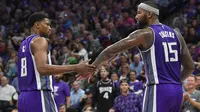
<point x="142" y="37"/>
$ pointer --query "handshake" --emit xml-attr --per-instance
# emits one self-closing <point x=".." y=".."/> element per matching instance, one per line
<point x="85" y="67"/>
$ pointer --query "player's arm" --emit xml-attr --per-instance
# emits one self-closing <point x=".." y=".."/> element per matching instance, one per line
<point x="187" y="61"/>
<point x="39" y="48"/>
<point x="139" y="37"/>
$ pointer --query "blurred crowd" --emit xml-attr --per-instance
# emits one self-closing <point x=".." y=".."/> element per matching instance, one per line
<point x="81" y="29"/>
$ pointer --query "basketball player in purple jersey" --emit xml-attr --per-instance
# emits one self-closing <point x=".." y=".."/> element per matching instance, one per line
<point x="35" y="70"/>
<point x="164" y="51"/>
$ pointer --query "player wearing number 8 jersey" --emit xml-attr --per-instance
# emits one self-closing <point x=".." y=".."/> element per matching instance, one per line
<point x="35" y="70"/>
<point x="164" y="51"/>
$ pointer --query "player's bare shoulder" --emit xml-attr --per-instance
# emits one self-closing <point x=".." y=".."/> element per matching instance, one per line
<point x="145" y="37"/>
<point x="39" y="40"/>
<point x="39" y="43"/>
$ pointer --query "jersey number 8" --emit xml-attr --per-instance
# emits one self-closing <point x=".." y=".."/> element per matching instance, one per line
<point x="23" y="67"/>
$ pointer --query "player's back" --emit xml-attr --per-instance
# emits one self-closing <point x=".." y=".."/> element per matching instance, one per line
<point x="162" y="59"/>
<point x="28" y="75"/>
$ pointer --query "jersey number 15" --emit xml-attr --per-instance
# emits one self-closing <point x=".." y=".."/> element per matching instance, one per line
<point x="168" y="50"/>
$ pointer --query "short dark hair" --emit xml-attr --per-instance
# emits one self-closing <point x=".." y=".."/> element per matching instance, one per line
<point x="123" y="81"/>
<point x="151" y="3"/>
<point x="36" y="17"/>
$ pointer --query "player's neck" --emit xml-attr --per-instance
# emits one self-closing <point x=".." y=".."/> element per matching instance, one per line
<point x="190" y="91"/>
<point x="34" y="31"/>
<point x="153" y="21"/>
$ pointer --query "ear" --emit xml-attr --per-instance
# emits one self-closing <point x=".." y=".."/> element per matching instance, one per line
<point x="150" y="14"/>
<point x="37" y="25"/>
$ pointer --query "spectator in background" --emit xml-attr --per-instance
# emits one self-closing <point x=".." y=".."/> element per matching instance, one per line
<point x="75" y="26"/>
<point x="137" y="64"/>
<point x="97" y="31"/>
<point x="125" y="69"/>
<point x="114" y="34"/>
<point x="93" y="47"/>
<point x="185" y="31"/>
<point x="127" y="20"/>
<point x="62" y="108"/>
<point x="127" y="101"/>
<point x="82" y="54"/>
<point x="88" y="109"/>
<point x="7" y="55"/>
<point x="62" y="59"/>
<point x="54" y="57"/>
<point x="2" y="47"/>
<point x="198" y="82"/>
<point x="81" y="31"/>
<point x="86" y="100"/>
<point x="15" y="84"/>
<point x="196" y="26"/>
<point x="118" y="61"/>
<point x="179" y="21"/>
<point x="104" y="38"/>
<point x="6" y="92"/>
<point x="104" y="91"/>
<point x="192" y="37"/>
<point x="11" y="66"/>
<point x="1" y="69"/>
<point x="135" y="85"/>
<point x="142" y="77"/>
<point x="191" y="98"/>
<point x="61" y="91"/>
<point x="76" y="94"/>
<point x="115" y="78"/>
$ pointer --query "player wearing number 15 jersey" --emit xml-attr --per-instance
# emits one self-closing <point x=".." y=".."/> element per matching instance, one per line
<point x="35" y="69"/>
<point x="164" y="51"/>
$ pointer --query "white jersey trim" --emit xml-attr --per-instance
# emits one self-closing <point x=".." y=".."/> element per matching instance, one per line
<point x="42" y="101"/>
<point x="144" y="100"/>
<point x="154" y="99"/>
<point x="50" y="76"/>
<point x="54" y="102"/>
<point x="37" y="75"/>
<point x="153" y="60"/>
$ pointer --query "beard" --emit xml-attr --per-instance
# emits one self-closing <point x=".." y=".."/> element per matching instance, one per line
<point x="142" y="23"/>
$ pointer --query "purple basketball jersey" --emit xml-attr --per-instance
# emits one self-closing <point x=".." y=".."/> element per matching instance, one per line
<point x="28" y="75"/>
<point x="162" y="59"/>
